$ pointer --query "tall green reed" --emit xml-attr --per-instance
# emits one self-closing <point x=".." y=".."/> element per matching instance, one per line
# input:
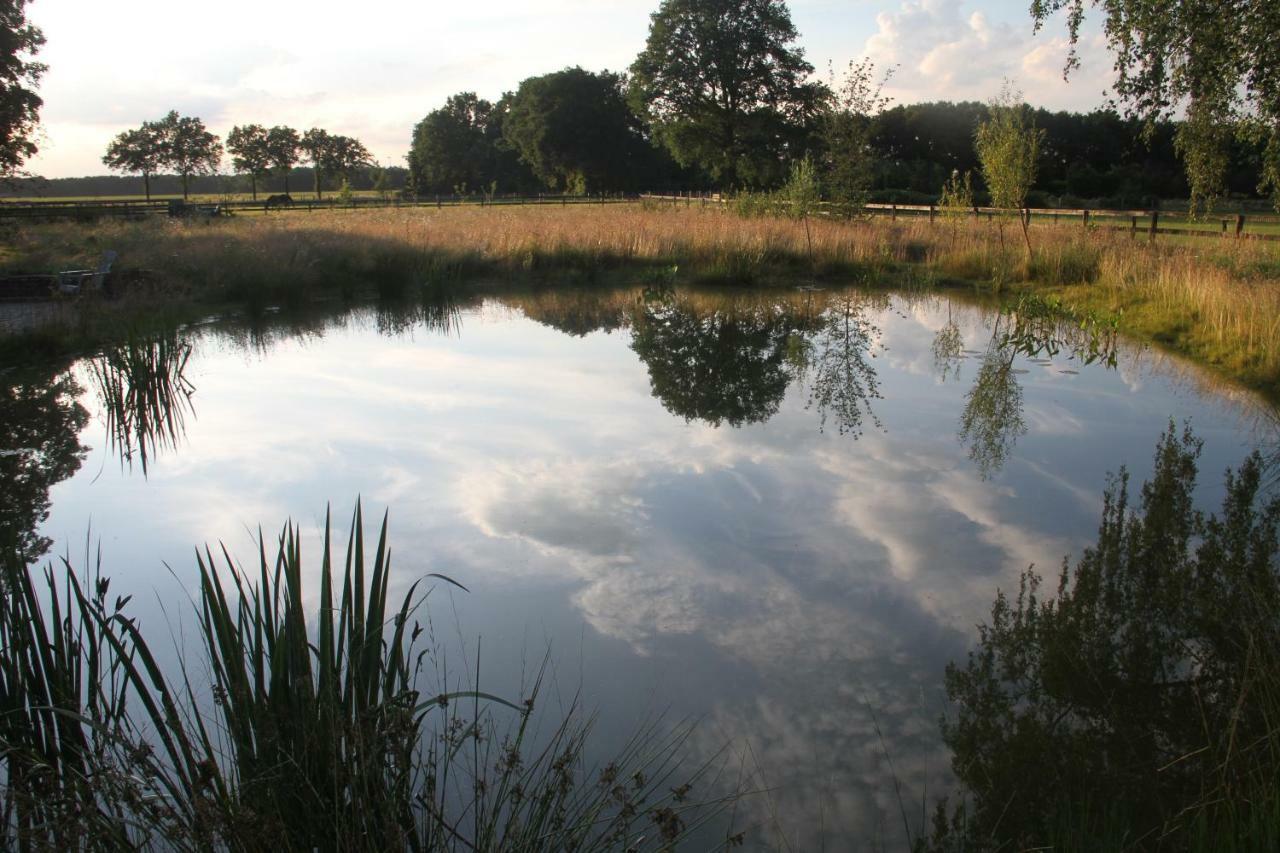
<point x="315" y="732"/>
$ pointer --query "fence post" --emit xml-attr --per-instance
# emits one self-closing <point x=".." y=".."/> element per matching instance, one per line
<point x="437" y="201"/>
<point x="933" y="211"/>
<point x="1155" y="224"/>
<point x="1239" y="225"/>
<point x="1133" y="226"/>
<point x="1084" y="215"/>
<point x="893" y="212"/>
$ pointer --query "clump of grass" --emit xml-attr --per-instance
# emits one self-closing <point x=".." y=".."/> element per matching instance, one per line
<point x="320" y="732"/>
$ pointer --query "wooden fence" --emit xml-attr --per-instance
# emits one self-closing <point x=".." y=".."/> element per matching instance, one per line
<point x="1150" y="223"/>
<point x="53" y="209"/>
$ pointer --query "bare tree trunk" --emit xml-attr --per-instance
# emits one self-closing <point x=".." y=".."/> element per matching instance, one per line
<point x="809" y="238"/>
<point x="146" y="184"/>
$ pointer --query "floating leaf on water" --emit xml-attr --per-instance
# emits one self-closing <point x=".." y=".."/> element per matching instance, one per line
<point x="1070" y="372"/>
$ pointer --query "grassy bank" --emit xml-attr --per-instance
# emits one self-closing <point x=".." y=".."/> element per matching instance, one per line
<point x="1217" y="302"/>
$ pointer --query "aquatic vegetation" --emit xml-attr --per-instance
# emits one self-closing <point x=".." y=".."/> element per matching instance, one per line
<point x="319" y="731"/>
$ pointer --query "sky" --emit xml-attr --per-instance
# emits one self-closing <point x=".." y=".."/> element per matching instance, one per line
<point x="373" y="69"/>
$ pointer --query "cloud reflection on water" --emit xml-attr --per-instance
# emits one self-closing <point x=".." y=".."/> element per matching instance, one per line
<point x="819" y="578"/>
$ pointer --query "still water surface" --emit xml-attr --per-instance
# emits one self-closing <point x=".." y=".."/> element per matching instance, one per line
<point x="781" y="513"/>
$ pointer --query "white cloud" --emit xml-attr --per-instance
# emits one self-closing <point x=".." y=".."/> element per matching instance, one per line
<point x="944" y="51"/>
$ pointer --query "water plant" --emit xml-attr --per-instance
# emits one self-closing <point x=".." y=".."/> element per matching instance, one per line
<point x="319" y="731"/>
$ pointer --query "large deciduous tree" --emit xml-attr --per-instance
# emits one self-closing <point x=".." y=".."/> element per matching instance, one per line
<point x="188" y="148"/>
<point x="453" y="147"/>
<point x="137" y="152"/>
<point x="19" y="76"/>
<point x="283" y="144"/>
<point x="725" y="89"/>
<point x="1219" y="60"/>
<point x="250" y="147"/>
<point x="575" y="131"/>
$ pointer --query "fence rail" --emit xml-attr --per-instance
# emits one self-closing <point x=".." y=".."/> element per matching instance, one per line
<point x="90" y="209"/>
<point x="1147" y="222"/>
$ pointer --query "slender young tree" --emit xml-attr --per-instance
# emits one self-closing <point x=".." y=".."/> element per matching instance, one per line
<point x="137" y="152"/>
<point x="1008" y="147"/>
<point x="848" y="156"/>
<point x="188" y="148"/>
<point x="250" y="153"/>
<point x="283" y="144"/>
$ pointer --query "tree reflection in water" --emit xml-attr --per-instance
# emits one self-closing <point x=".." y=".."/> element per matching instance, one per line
<point x="718" y="366"/>
<point x="948" y="348"/>
<point x="1136" y="707"/>
<point x="842" y="381"/>
<point x="992" y="420"/>
<point x="40" y="423"/>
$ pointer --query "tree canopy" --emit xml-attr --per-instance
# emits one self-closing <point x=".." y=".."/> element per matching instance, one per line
<point x="20" y="73"/>
<point x="575" y="131"/>
<point x="724" y="88"/>
<point x="188" y="147"/>
<point x="1217" y="59"/>
<point x="332" y="154"/>
<point x="137" y="152"/>
<point x="460" y="146"/>
<point x="250" y="147"/>
<point x="283" y="144"/>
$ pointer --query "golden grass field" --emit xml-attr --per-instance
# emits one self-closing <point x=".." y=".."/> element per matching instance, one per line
<point x="1217" y="301"/>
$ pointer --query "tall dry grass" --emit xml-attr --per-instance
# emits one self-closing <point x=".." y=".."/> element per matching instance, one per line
<point x="1215" y="300"/>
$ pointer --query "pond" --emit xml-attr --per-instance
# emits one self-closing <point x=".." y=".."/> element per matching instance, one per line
<point x="779" y="513"/>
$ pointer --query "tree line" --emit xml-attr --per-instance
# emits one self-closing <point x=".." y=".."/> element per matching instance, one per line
<point x="184" y="146"/>
<point x="722" y="98"/>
